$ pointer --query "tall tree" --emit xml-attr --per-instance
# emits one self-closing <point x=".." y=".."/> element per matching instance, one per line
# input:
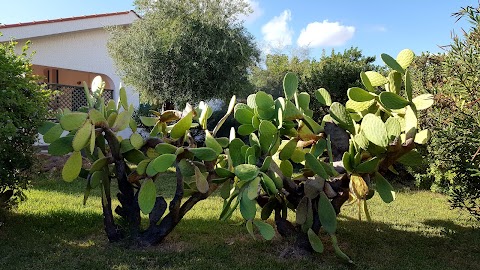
<point x="185" y="50"/>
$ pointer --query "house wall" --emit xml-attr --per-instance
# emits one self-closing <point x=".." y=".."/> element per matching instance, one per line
<point x="66" y="76"/>
<point x="83" y="51"/>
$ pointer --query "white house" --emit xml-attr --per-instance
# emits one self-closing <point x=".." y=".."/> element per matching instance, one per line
<point x="69" y="51"/>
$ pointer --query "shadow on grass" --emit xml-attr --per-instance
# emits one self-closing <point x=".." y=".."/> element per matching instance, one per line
<point x="71" y="240"/>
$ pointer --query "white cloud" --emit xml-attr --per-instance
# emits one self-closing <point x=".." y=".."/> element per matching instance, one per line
<point x="325" y="33"/>
<point x="276" y="33"/>
<point x="257" y="11"/>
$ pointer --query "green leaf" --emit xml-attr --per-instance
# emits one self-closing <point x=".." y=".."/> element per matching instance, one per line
<point x="423" y="136"/>
<point x="235" y="151"/>
<point x="392" y="101"/>
<point x="287" y="168"/>
<point x="149" y="121"/>
<point x="246" y="172"/>
<point x="302" y="211"/>
<point x="384" y="189"/>
<point x="61" y="147"/>
<point x="252" y="189"/>
<point x="147" y="196"/>
<point x="266" y="230"/>
<point x="97" y="118"/>
<point x="136" y="140"/>
<point x="288" y="149"/>
<point x="366" y="81"/>
<point x="201" y="181"/>
<point x="342" y="117"/>
<point x="248" y="207"/>
<point x="179" y="129"/>
<point x="163" y="162"/>
<point x="375" y="79"/>
<point x="134" y="156"/>
<point x="72" y="167"/>
<point x="269" y="184"/>
<point x="267" y="128"/>
<point x="368" y="166"/>
<point x="243" y="116"/>
<point x="303" y="100"/>
<point x="394" y="128"/>
<point x="290" y="85"/>
<point x="249" y="225"/>
<point x="99" y="164"/>
<point x="123" y="98"/>
<point x="245" y="129"/>
<point x="165" y="148"/>
<point x="266" y="163"/>
<point x="72" y="121"/>
<point x="291" y="112"/>
<point x="355" y="106"/>
<point x="323" y="97"/>
<point x="395" y="82"/>
<point x="361" y="141"/>
<point x="315" y="165"/>
<point x="327" y="214"/>
<point x="212" y="143"/>
<point x="405" y="58"/>
<point x="374" y="130"/>
<point x="392" y="63"/>
<point x="412" y="158"/>
<point x="45" y="127"/>
<point x="53" y="133"/>
<point x="122" y="121"/>
<point x="263" y="100"/>
<point x="312" y="124"/>
<point x="315" y="241"/>
<point x="359" y="95"/>
<point x="408" y="85"/>
<point x="338" y="251"/>
<point x="347" y="162"/>
<point x="92" y="140"/>
<point x="82" y="137"/>
<point x="204" y="153"/>
<point x="411" y="122"/>
<point x="423" y="102"/>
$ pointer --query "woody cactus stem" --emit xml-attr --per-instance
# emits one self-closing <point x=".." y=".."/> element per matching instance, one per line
<point x="129" y="209"/>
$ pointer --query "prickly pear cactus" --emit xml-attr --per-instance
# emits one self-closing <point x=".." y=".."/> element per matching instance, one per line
<point x="381" y="121"/>
<point x="138" y="162"/>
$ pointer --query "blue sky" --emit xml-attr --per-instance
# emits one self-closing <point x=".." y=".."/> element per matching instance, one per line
<point x="373" y="26"/>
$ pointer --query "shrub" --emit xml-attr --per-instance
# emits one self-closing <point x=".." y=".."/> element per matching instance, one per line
<point x="23" y="107"/>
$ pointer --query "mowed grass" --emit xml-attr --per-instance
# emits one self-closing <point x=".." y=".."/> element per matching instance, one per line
<point x="53" y="230"/>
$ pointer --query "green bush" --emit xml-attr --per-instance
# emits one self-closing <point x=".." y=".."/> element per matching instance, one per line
<point x="22" y="106"/>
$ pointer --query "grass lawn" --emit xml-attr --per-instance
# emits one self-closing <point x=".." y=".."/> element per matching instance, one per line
<point x="53" y="230"/>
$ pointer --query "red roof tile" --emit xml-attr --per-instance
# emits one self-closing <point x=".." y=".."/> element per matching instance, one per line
<point x="67" y="19"/>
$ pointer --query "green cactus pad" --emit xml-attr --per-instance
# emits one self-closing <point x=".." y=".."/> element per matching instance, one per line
<point x="323" y="97"/>
<point x="359" y="106"/>
<point x="423" y="102"/>
<point x="342" y="117"/>
<point x="248" y="208"/>
<point x="163" y="162"/>
<point x="263" y="100"/>
<point x="315" y="165"/>
<point x="394" y="128"/>
<point x="368" y="166"/>
<point x="315" y="241"/>
<point x="286" y="167"/>
<point x="204" y="153"/>
<point x="374" y="130"/>
<point x="384" y="189"/>
<point x="288" y="149"/>
<point x="147" y="196"/>
<point x="366" y="82"/>
<point x="405" y="58"/>
<point x="246" y="172"/>
<point x="165" y="148"/>
<point x="326" y="214"/>
<point x="392" y="63"/>
<point x="136" y="140"/>
<point x="121" y="121"/>
<point x="148" y="121"/>
<point x="395" y="81"/>
<point x="73" y="121"/>
<point x="408" y="85"/>
<point x="179" y="129"/>
<point x="303" y="100"/>
<point x="82" y="137"/>
<point x="375" y="79"/>
<point x="392" y="101"/>
<point x="72" y="167"/>
<point x="201" y="181"/>
<point x="266" y="230"/>
<point x="290" y="85"/>
<point x="422" y="137"/>
<point x="411" y="122"/>
<point x="61" y="146"/>
<point x="359" y="95"/>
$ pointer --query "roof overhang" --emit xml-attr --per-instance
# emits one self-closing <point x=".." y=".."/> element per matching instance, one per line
<point x="31" y="30"/>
